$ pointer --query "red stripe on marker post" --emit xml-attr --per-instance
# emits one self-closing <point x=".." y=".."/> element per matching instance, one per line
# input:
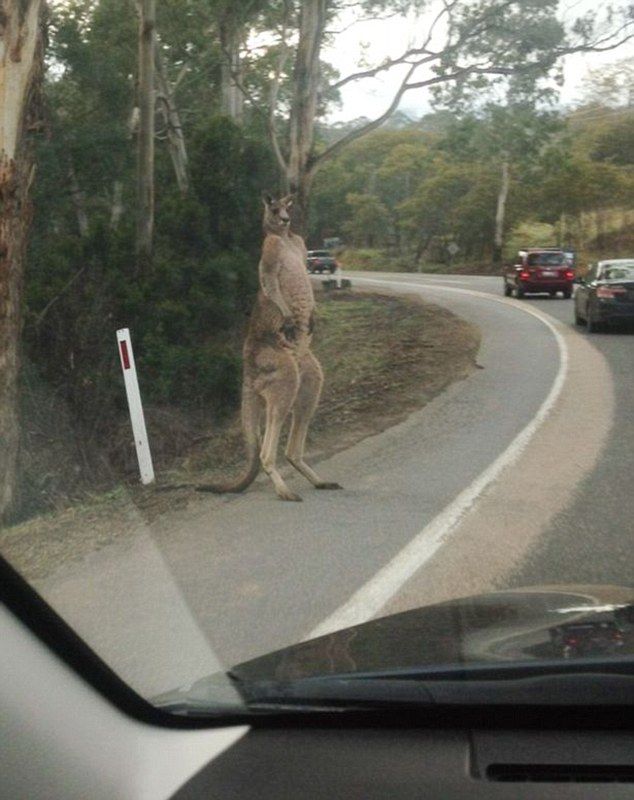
<point x="125" y="358"/>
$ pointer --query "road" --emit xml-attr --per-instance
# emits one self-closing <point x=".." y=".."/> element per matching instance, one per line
<point x="518" y="475"/>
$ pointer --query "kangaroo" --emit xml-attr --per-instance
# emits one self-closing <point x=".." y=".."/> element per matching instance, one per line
<point x="281" y="375"/>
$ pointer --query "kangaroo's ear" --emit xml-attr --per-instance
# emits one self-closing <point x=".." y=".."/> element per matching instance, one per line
<point x="288" y="200"/>
<point x="267" y="199"/>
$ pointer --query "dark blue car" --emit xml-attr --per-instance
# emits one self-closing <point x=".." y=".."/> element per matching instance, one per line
<point x="606" y="294"/>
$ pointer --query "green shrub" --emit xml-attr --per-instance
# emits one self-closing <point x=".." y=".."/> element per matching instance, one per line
<point x="374" y="260"/>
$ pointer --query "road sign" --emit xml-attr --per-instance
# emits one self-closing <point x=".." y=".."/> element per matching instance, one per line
<point x="453" y="248"/>
<point x="144" y="456"/>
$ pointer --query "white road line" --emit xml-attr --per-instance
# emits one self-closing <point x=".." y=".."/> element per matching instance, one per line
<point x="368" y="601"/>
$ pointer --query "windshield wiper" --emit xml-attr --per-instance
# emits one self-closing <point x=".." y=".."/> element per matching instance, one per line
<point x="371" y="694"/>
<point x="597" y="687"/>
<point x="584" y="684"/>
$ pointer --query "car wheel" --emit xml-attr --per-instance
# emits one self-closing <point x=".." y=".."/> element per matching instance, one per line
<point x="567" y="294"/>
<point x="552" y="294"/>
<point x="507" y="290"/>
<point x="519" y="292"/>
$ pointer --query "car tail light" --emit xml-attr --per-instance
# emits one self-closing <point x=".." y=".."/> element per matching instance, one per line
<point x="525" y="275"/>
<point x="570" y="275"/>
<point x="608" y="292"/>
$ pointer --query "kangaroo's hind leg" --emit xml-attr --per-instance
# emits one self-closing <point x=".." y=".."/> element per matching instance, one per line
<point x="279" y="389"/>
<point x="311" y="379"/>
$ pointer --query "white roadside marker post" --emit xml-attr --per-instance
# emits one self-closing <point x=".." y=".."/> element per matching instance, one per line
<point x="338" y="274"/>
<point x="139" y="431"/>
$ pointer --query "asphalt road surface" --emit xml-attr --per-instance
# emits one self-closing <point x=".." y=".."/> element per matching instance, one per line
<point x="519" y="475"/>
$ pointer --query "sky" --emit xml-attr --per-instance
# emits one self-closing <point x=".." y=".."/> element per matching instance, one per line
<point x="375" y="41"/>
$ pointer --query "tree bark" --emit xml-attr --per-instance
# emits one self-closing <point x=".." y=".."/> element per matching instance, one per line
<point x="500" y="214"/>
<point x="21" y="56"/>
<point x="145" y="163"/>
<point x="175" y="137"/>
<point x="306" y="77"/>
<point x="232" y="98"/>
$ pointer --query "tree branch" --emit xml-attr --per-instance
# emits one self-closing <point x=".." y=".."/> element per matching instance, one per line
<point x="386" y="65"/>
<point x="242" y="88"/>
<point x="334" y="148"/>
<point x="428" y="55"/>
<point x="40" y="317"/>
<point x="361" y="20"/>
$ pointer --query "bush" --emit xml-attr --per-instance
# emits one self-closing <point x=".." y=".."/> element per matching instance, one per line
<point x="374" y="260"/>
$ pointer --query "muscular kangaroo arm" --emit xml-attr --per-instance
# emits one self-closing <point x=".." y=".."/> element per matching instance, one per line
<point x="269" y="278"/>
<point x="271" y="288"/>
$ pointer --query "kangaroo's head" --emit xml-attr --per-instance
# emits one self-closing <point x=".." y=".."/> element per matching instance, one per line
<point x="277" y="218"/>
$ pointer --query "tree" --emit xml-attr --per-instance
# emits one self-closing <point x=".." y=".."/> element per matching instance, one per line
<point x="370" y="220"/>
<point x="569" y="183"/>
<point x="145" y="134"/>
<point x="509" y="138"/>
<point x="232" y="21"/>
<point x="21" y="58"/>
<point x="89" y="96"/>
<point x="466" y="46"/>
<point x="614" y="140"/>
<point x="611" y="86"/>
<point x="172" y="121"/>
<point x="387" y="164"/>
<point x="431" y="213"/>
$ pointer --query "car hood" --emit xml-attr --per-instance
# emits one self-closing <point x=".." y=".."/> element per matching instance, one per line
<point x="537" y="623"/>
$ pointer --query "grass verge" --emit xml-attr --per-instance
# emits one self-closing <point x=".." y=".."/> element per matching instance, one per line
<point x="384" y="356"/>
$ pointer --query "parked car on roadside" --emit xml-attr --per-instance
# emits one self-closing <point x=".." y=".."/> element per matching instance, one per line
<point x="539" y="270"/>
<point x="321" y="261"/>
<point x="606" y="294"/>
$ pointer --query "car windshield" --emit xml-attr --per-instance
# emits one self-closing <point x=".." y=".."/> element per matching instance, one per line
<point x="280" y="399"/>
<point x="546" y="259"/>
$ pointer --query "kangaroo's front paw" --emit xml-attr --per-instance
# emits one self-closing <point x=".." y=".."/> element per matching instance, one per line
<point x="327" y="485"/>
<point x="289" y="329"/>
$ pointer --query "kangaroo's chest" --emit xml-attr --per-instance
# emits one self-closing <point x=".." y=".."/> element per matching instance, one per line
<point x="295" y="283"/>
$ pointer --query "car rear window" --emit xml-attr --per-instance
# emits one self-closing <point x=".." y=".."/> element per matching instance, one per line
<point x="623" y="273"/>
<point x="319" y="254"/>
<point x="546" y="259"/>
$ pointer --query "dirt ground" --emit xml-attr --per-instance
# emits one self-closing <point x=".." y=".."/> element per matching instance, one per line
<point x="384" y="356"/>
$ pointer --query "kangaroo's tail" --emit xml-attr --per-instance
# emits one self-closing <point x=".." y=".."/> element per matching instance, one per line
<point x="252" y="407"/>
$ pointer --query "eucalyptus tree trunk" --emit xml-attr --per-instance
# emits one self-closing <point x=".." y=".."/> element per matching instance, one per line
<point x="306" y="78"/>
<point x="500" y="214"/>
<point x="21" y="56"/>
<point x="232" y="98"/>
<point x="145" y="154"/>
<point x="175" y="137"/>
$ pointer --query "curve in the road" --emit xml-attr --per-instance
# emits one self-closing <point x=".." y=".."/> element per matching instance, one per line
<point x="377" y="593"/>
